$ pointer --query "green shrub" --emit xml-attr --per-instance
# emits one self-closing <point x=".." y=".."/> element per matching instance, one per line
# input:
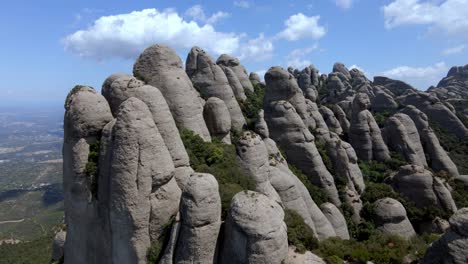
<point x="220" y="160"/>
<point x="459" y="193"/>
<point x="92" y="166"/>
<point x="379" y="248"/>
<point x="381" y="117"/>
<point x="156" y="248"/>
<point x="299" y="234"/>
<point x="457" y="149"/>
<point x="252" y="104"/>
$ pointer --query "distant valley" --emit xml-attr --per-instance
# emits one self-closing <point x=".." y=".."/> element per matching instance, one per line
<point x="31" y="196"/>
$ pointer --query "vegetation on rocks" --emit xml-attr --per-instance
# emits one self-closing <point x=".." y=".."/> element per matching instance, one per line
<point x="457" y="149"/>
<point x="379" y="248"/>
<point x="157" y="247"/>
<point x="92" y="166"/>
<point x="219" y="160"/>
<point x="299" y="234"/>
<point x="252" y="104"/>
<point x="318" y="195"/>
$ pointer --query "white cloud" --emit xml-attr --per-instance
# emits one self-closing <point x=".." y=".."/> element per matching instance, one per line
<point x="345" y="4"/>
<point x="449" y="15"/>
<point x="127" y="35"/>
<point x="300" y="26"/>
<point x="296" y="57"/>
<point x="242" y="4"/>
<point x="197" y="13"/>
<point x="420" y="77"/>
<point x="257" y="49"/>
<point x="454" y="50"/>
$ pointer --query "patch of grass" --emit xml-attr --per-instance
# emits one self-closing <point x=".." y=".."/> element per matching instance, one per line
<point x="299" y="234"/>
<point x="220" y="160"/>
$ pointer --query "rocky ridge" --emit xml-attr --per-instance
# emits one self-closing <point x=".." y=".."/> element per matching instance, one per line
<point x="132" y="196"/>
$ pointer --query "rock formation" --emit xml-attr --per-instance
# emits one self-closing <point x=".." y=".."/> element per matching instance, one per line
<point x="337" y="220"/>
<point x="256" y="230"/>
<point x="234" y="64"/>
<point x="200" y="210"/>
<point x="451" y="247"/>
<point x="234" y="82"/>
<point x="438" y="158"/>
<point x="390" y="216"/>
<point x="131" y="195"/>
<point x="364" y="134"/>
<point x="119" y="87"/>
<point x="436" y="111"/>
<point x="218" y="120"/>
<point x="287" y="122"/>
<point x="160" y="67"/>
<point x="402" y="136"/>
<point x="263" y="162"/>
<point x="86" y="114"/>
<point x="209" y="79"/>
<point x="421" y="187"/>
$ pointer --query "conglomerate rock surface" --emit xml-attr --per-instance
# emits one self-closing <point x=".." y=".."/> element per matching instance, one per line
<point x="323" y="147"/>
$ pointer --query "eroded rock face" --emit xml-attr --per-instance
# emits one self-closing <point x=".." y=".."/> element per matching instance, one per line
<point x="436" y="111"/>
<point x="238" y="69"/>
<point x="253" y="157"/>
<point x="217" y="119"/>
<point x="289" y="122"/>
<point x="451" y="247"/>
<point x="256" y="230"/>
<point x="263" y="162"/>
<point x="383" y="101"/>
<point x="421" y="187"/>
<point x="332" y="122"/>
<point x="58" y="246"/>
<point x="209" y="79"/>
<point x="254" y="78"/>
<point x="139" y="163"/>
<point x="159" y="66"/>
<point x="438" y="158"/>
<point x="200" y="210"/>
<point x="341" y="68"/>
<point x="119" y="87"/>
<point x="341" y="116"/>
<point x="337" y="219"/>
<point x="364" y="134"/>
<point x="344" y="161"/>
<point x="402" y="136"/>
<point x="234" y="82"/>
<point x="288" y="130"/>
<point x="391" y="218"/>
<point x="308" y="81"/>
<point x="86" y="114"/>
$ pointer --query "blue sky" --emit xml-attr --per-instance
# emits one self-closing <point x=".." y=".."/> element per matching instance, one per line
<point x="49" y="46"/>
